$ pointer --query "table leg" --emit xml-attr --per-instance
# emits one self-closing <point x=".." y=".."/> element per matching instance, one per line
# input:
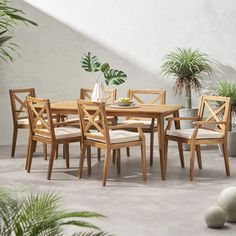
<point x="161" y="143"/>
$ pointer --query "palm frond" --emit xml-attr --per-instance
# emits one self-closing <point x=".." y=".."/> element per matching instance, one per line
<point x="93" y="233"/>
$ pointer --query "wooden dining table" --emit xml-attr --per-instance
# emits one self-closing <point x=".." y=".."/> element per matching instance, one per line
<point x="158" y="112"/>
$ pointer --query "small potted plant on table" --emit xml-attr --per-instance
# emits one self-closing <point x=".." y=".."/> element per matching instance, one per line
<point x="227" y="89"/>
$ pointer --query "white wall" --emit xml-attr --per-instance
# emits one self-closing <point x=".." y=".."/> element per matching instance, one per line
<point x="132" y="35"/>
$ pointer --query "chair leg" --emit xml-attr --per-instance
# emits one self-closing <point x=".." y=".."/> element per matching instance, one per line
<point x="89" y="160"/>
<point x="106" y="166"/>
<point x="35" y="145"/>
<point x="192" y="152"/>
<point x="166" y="153"/>
<point x="28" y="152"/>
<point x="128" y="151"/>
<point x="51" y="160"/>
<point x="45" y="151"/>
<point x="66" y="153"/>
<point x="81" y="161"/>
<point x="30" y="155"/>
<point x="199" y="158"/>
<point x="181" y="154"/>
<point x="151" y="147"/>
<point x="56" y="154"/>
<point x="114" y="156"/>
<point x="14" y="138"/>
<point x="117" y="151"/>
<point x="99" y="154"/>
<point x="226" y="159"/>
<point x="144" y="163"/>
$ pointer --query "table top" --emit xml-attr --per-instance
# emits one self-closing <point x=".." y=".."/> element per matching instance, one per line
<point x="144" y="110"/>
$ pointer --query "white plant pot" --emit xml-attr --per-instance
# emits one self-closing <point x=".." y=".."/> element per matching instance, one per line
<point x="231" y="144"/>
<point x="187" y="124"/>
<point x="99" y="94"/>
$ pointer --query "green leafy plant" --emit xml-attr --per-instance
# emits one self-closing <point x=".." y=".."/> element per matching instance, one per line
<point x="9" y="17"/>
<point x="225" y="88"/>
<point x="90" y="63"/>
<point x="187" y="67"/>
<point x="40" y="215"/>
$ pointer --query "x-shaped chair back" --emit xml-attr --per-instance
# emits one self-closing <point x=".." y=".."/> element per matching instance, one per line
<point x="40" y="117"/>
<point x="93" y="120"/>
<point x="18" y="102"/>
<point x="215" y="108"/>
<point x="86" y="94"/>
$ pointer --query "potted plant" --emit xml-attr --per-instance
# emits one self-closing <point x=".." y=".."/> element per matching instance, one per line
<point x="41" y="214"/>
<point x="90" y="63"/>
<point x="9" y="17"/>
<point x="187" y="68"/>
<point x="227" y="89"/>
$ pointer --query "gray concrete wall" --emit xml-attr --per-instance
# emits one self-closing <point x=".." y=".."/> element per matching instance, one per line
<point x="130" y="35"/>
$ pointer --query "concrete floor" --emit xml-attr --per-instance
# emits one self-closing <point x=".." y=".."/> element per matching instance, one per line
<point x="133" y="207"/>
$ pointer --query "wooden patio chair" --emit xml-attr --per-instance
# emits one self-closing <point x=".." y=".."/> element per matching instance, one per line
<point x="217" y="112"/>
<point x="148" y="125"/>
<point x="53" y="133"/>
<point x="106" y="137"/>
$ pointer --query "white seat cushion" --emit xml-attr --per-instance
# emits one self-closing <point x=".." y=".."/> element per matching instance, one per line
<point x="146" y="123"/>
<point x="119" y="136"/>
<point x="24" y="121"/>
<point x="64" y="132"/>
<point x="202" y="133"/>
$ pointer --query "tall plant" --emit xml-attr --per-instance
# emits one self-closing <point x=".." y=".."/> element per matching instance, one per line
<point x="90" y="63"/>
<point x="40" y="215"/>
<point x="187" y="67"/>
<point x="9" y="17"/>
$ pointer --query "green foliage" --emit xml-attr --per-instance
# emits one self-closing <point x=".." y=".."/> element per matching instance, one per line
<point x="186" y="67"/>
<point x="39" y="215"/>
<point x="9" y="17"/>
<point x="91" y="64"/>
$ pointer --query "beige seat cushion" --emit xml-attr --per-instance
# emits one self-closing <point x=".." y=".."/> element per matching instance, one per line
<point x="202" y="133"/>
<point x="146" y="123"/>
<point x="24" y="121"/>
<point x="119" y="136"/>
<point x="64" y="132"/>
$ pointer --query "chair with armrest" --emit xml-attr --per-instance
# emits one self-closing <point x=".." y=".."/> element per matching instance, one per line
<point x="148" y="125"/>
<point x="53" y="133"/>
<point x="93" y="115"/>
<point x="217" y="110"/>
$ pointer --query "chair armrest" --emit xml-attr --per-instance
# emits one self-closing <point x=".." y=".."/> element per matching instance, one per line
<point x="133" y="125"/>
<point x="181" y="118"/>
<point x="209" y="122"/>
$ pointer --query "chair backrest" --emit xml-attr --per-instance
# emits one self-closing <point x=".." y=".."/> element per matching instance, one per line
<point x="18" y="102"/>
<point x="40" y="117"/>
<point x="93" y="120"/>
<point x="215" y="108"/>
<point x="86" y="94"/>
<point x="147" y="96"/>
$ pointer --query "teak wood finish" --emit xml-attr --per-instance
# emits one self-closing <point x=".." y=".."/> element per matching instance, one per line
<point x="98" y="119"/>
<point x="86" y="94"/>
<point x="39" y="110"/>
<point x="158" y="97"/>
<point x="19" y="112"/>
<point x="158" y="112"/>
<point x="218" y="115"/>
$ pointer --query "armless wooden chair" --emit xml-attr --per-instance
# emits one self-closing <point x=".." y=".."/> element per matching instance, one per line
<point x="86" y="94"/>
<point x="93" y="114"/>
<point x="19" y="112"/>
<point x="148" y="125"/>
<point x="50" y="132"/>
<point x="217" y="113"/>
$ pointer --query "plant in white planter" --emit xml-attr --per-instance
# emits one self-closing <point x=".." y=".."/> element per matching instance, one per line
<point x="90" y="63"/>
<point x="227" y="89"/>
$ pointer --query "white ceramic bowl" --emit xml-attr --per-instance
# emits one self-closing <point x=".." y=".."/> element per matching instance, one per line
<point x="117" y="102"/>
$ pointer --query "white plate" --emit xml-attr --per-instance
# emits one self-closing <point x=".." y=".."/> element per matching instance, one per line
<point x="124" y="107"/>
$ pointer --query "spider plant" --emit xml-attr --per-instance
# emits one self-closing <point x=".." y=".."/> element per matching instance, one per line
<point x="38" y="215"/>
<point x="187" y="67"/>
<point x="226" y="89"/>
<point x="9" y="17"/>
<point x="90" y="63"/>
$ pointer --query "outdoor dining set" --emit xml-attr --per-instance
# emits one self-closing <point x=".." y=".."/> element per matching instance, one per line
<point x="110" y="126"/>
